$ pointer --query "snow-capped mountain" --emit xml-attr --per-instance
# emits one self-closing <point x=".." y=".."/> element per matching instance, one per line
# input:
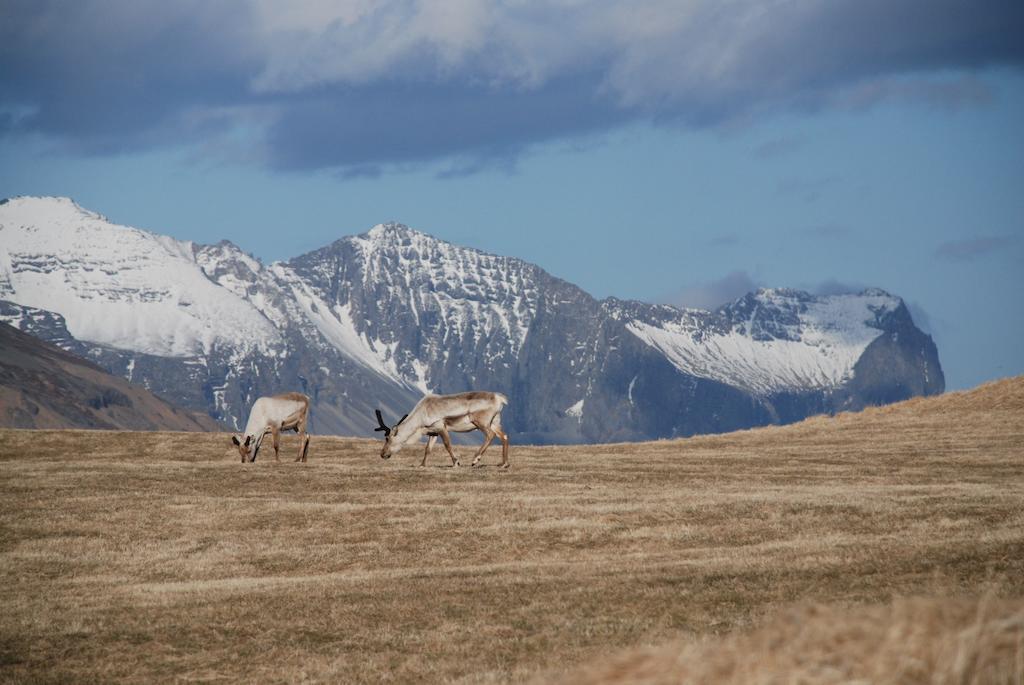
<point x="119" y="286"/>
<point x="377" y="319"/>
<point x="771" y="341"/>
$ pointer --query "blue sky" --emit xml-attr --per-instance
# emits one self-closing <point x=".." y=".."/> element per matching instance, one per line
<point x="666" y="151"/>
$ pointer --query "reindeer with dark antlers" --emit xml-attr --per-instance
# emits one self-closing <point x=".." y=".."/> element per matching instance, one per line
<point x="438" y="415"/>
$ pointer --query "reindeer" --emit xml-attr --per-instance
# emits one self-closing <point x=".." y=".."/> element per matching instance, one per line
<point x="289" y="411"/>
<point x="437" y="415"/>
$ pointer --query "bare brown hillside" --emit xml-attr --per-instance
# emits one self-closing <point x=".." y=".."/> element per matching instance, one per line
<point x="42" y="386"/>
<point x="157" y="556"/>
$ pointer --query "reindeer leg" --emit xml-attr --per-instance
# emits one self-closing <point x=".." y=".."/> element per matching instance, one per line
<point x="275" y="434"/>
<point x="488" y="437"/>
<point x="430" y="443"/>
<point x="448" y="446"/>
<point x="303" y="440"/>
<point x="496" y="427"/>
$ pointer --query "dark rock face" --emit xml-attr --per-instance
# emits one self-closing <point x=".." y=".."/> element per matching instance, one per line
<point x="901" y="363"/>
<point x="377" y="319"/>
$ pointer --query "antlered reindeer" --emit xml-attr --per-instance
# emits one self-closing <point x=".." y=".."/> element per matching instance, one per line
<point x="437" y="415"/>
<point x="289" y="411"/>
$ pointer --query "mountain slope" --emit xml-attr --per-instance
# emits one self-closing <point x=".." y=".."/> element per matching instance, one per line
<point x="42" y="386"/>
<point x="377" y="319"/>
<point x="122" y="287"/>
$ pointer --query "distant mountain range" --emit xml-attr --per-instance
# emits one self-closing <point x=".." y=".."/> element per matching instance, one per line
<point x="377" y="319"/>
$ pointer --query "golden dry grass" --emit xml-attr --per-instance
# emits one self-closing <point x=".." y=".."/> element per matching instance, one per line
<point x="144" y="556"/>
<point x="909" y="641"/>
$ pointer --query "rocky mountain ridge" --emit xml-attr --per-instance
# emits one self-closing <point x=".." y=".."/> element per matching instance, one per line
<point x="379" y="318"/>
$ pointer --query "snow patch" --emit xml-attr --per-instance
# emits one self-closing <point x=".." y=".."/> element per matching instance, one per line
<point x="576" y="410"/>
<point x="338" y="328"/>
<point x="421" y="371"/>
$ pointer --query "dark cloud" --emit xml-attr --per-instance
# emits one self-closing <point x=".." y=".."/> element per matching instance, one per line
<point x="831" y="286"/>
<point x="714" y="293"/>
<point x="973" y="248"/>
<point x="117" y="77"/>
<point x="375" y="124"/>
<point x="356" y="86"/>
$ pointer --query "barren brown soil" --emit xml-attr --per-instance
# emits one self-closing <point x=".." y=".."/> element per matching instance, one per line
<point x="158" y="557"/>
<point x="44" y="386"/>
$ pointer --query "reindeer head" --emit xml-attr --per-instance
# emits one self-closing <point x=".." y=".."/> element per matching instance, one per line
<point x="391" y="446"/>
<point x="244" y="448"/>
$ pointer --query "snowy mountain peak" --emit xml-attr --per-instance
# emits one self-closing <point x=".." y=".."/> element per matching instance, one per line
<point x="793" y="299"/>
<point x="391" y="229"/>
<point x="403" y="258"/>
<point x="769" y="341"/>
<point x="37" y="201"/>
<point x="392" y="237"/>
<point x="43" y="209"/>
<point x="225" y="257"/>
<point x="119" y="286"/>
<point x="411" y="298"/>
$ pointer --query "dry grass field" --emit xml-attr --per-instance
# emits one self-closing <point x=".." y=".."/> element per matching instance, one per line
<point x="158" y="557"/>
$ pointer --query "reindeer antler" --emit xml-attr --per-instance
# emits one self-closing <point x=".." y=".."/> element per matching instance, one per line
<point x="401" y="419"/>
<point x="382" y="426"/>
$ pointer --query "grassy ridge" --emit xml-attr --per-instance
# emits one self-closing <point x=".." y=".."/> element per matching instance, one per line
<point x="131" y="556"/>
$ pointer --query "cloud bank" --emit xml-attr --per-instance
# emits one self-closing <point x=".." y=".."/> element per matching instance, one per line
<point x="359" y="84"/>
<point x="973" y="248"/>
<point x="714" y="293"/>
